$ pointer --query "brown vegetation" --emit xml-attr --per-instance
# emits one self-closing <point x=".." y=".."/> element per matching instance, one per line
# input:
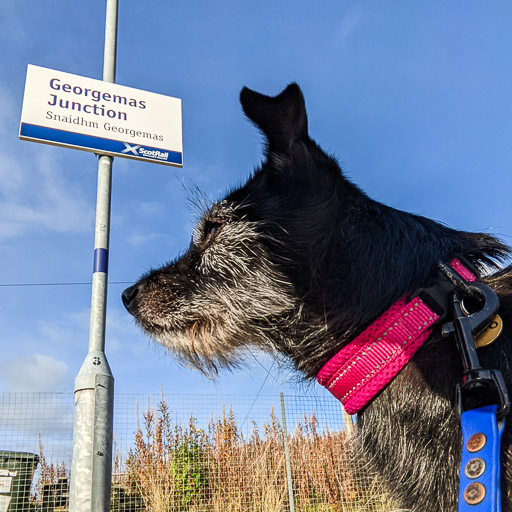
<point x="177" y="468"/>
<point x="185" y="468"/>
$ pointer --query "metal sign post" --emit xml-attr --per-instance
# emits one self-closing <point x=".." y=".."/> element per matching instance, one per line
<point x="108" y="119"/>
<point x="91" y="468"/>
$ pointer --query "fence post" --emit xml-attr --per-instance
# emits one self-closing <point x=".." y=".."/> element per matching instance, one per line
<point x="287" y="456"/>
<point x="91" y="466"/>
<point x="347" y="422"/>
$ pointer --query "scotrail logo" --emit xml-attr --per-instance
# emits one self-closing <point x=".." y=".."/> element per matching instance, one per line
<point x="138" y="150"/>
<point x="130" y="149"/>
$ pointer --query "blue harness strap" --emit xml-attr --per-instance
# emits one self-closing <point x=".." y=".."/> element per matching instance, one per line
<point x="479" y="484"/>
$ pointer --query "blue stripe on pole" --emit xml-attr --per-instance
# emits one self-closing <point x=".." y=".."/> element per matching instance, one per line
<point x="100" y="144"/>
<point x="100" y="260"/>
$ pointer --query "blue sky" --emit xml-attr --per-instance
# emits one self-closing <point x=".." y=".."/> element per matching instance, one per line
<point x="414" y="98"/>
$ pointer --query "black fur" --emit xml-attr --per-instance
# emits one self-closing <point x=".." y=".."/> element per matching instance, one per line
<point x="335" y="259"/>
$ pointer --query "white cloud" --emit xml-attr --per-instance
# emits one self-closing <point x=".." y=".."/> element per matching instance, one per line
<point x="14" y="25"/>
<point x="35" y="194"/>
<point x="60" y="333"/>
<point x="119" y="321"/>
<point x="151" y="208"/>
<point x="28" y="418"/>
<point x="144" y="238"/>
<point x="36" y="372"/>
<point x="9" y="109"/>
<point x="122" y="337"/>
<point x="73" y="329"/>
<point x="348" y="24"/>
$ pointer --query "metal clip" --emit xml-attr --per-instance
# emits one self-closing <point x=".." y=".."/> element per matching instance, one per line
<point x="490" y="379"/>
<point x="466" y="327"/>
<point x="472" y="324"/>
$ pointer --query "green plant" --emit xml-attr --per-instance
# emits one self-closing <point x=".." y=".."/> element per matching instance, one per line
<point x="188" y="466"/>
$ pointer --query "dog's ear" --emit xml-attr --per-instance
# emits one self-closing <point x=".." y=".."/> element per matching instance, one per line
<point x="281" y="118"/>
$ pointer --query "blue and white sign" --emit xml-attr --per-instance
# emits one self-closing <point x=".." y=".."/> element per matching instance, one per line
<point x="92" y="115"/>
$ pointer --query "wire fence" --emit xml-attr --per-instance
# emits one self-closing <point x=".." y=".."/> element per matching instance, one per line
<point x="194" y="453"/>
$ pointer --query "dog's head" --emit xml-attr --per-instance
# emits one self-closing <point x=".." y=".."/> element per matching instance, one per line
<point x="295" y="261"/>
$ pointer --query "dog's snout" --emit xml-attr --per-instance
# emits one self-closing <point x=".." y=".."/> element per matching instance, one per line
<point x="128" y="297"/>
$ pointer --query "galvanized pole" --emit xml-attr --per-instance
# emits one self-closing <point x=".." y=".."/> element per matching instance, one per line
<point x="287" y="457"/>
<point x="91" y="468"/>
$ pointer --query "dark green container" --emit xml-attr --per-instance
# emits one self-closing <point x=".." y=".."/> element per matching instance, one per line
<point x="16" y="472"/>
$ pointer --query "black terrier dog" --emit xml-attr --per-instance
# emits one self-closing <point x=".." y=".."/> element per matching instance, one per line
<point x="298" y="262"/>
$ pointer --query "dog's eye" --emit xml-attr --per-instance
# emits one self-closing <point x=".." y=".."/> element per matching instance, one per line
<point x="211" y="230"/>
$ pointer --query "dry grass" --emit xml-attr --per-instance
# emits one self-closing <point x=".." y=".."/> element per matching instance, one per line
<point x="183" y="468"/>
<point x="50" y="472"/>
<point x="178" y="468"/>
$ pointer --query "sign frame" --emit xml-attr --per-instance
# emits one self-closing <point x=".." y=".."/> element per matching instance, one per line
<point x="101" y="117"/>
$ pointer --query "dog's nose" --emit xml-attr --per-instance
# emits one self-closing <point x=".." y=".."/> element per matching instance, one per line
<point x="128" y="295"/>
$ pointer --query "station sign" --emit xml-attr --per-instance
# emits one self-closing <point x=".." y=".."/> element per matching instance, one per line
<point x="105" y="118"/>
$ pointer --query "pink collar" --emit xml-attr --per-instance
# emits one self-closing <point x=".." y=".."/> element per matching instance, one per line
<point x="361" y="369"/>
